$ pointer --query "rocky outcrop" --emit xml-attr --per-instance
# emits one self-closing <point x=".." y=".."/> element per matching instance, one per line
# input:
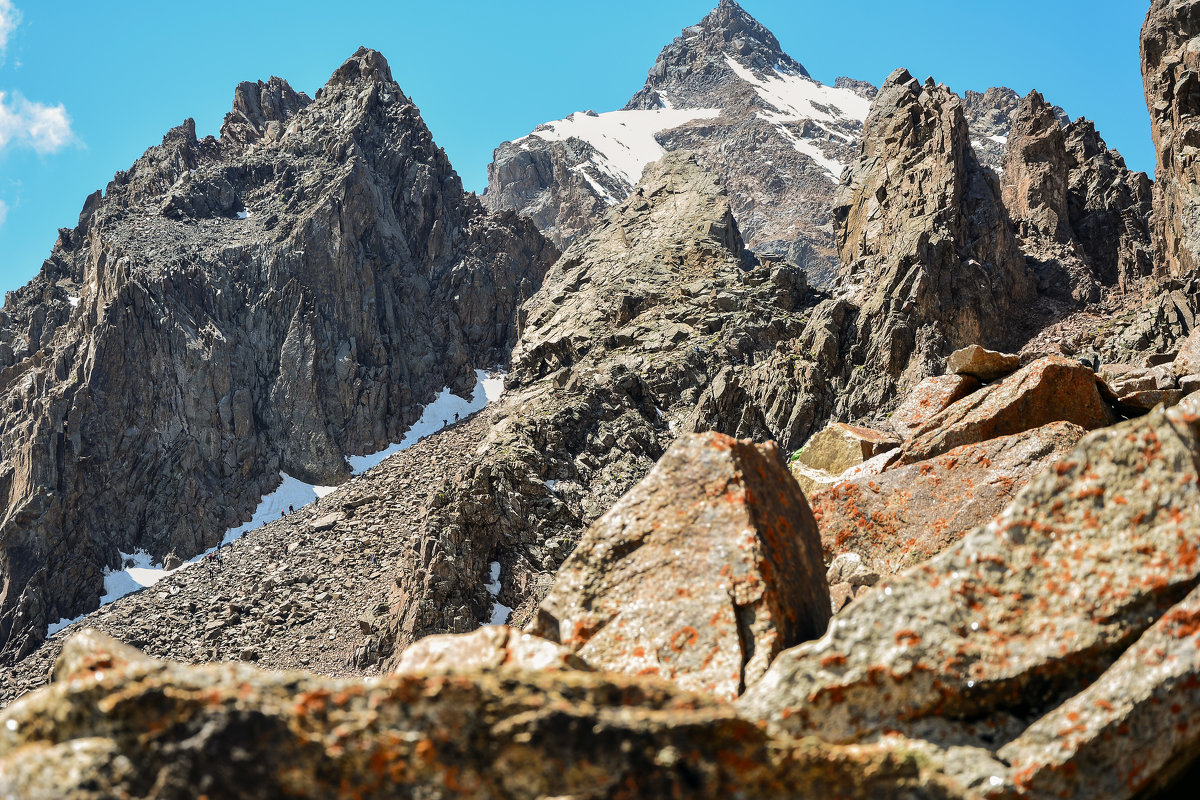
<point x="1171" y="73"/>
<point x="491" y="648"/>
<point x="1052" y="389"/>
<point x="620" y="352"/>
<point x="231" y="309"/>
<point x="925" y="242"/>
<point x="907" y="515"/>
<point x="1080" y="215"/>
<point x="736" y="560"/>
<point x="148" y="728"/>
<point x="974" y="646"/>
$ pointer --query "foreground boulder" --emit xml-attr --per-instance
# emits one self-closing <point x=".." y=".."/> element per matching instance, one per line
<point x="148" y="728"/>
<point x="910" y="514"/>
<point x="1051" y="389"/>
<point x="701" y="574"/>
<point x="979" y="362"/>
<point x="978" y="643"/>
<point x="931" y="397"/>
<point x="837" y="448"/>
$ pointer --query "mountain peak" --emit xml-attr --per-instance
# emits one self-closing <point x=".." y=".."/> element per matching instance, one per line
<point x="687" y="65"/>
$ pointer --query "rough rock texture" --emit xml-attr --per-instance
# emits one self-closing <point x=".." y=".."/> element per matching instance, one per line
<point x="724" y="89"/>
<point x="1051" y="389"/>
<point x="835" y="449"/>
<point x="978" y="643"/>
<point x="172" y="358"/>
<point x="981" y="363"/>
<point x="736" y="563"/>
<point x="490" y="648"/>
<point x="1171" y="73"/>
<point x="1095" y="744"/>
<point x="907" y="515"/>
<point x="1080" y="215"/>
<point x="1188" y="360"/>
<point x="925" y="241"/>
<point x="931" y="397"/>
<point x="149" y="728"/>
<point x="654" y="324"/>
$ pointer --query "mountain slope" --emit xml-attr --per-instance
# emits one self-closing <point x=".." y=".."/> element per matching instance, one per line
<point x="235" y="308"/>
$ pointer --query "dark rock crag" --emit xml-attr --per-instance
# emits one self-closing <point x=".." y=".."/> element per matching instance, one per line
<point x="231" y="308"/>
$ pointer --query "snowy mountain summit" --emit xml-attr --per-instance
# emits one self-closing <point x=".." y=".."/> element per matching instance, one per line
<point x="724" y="88"/>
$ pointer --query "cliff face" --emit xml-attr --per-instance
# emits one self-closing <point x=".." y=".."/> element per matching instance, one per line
<point x="231" y="308"/>
<point x="1171" y="73"/>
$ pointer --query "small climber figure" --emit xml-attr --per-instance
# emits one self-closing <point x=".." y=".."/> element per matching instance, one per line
<point x="445" y="423"/>
<point x="456" y="416"/>
<point x="291" y="509"/>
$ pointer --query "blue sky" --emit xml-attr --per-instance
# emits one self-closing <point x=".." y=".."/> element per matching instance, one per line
<point x="88" y="86"/>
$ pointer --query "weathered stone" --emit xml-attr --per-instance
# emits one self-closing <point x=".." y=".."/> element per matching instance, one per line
<point x="849" y="568"/>
<point x="172" y="561"/>
<point x="488" y="648"/>
<point x="1051" y="389"/>
<point x="1188" y="360"/>
<point x="1142" y="401"/>
<point x="979" y="362"/>
<point x="985" y="638"/>
<point x="1189" y="384"/>
<point x="327" y="521"/>
<point x="840" y="596"/>
<point x="931" y="397"/>
<point x="736" y="570"/>
<point x="1129" y="733"/>
<point x="909" y="514"/>
<point x="834" y="450"/>
<point x="174" y="732"/>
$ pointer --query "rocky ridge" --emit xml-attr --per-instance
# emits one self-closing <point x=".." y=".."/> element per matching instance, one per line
<point x="235" y="308"/>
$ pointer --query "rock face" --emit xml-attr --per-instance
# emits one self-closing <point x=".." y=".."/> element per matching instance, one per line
<point x="977" y="644"/>
<point x="931" y="259"/>
<point x="1079" y="213"/>
<point x="1171" y="73"/>
<point x="736" y="559"/>
<point x="235" y="308"/>
<point x="642" y="331"/>
<point x="776" y="139"/>
<point x="906" y="515"/>
<point x="151" y="728"/>
<point x="1052" y="389"/>
<point x="490" y="648"/>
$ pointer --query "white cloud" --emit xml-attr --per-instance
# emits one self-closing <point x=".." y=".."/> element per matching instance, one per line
<point x="9" y="19"/>
<point x="3" y="211"/>
<point x="24" y="122"/>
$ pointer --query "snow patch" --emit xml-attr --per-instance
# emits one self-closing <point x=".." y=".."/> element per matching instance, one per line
<point x="796" y="97"/>
<point x="623" y="140"/>
<point x="500" y="612"/>
<point x="810" y="149"/>
<point x="999" y="139"/>
<point x="74" y="301"/>
<point x="294" y="493"/>
<point x="243" y="214"/>
<point x="436" y="416"/>
<point x="551" y="484"/>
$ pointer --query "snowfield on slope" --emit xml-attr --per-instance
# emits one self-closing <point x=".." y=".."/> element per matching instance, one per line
<point x="623" y="140"/>
<point x="293" y="493"/>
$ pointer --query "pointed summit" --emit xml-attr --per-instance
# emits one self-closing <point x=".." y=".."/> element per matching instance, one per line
<point x="688" y="68"/>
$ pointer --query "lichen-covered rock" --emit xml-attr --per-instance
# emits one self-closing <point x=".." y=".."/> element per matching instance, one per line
<point x="700" y="575"/>
<point x="979" y="362"/>
<point x="909" y="514"/>
<point x="1188" y="360"/>
<point x="1051" y="389"/>
<point x="931" y="397"/>
<point x="162" y="730"/>
<point x="1128" y="734"/>
<point x="488" y="648"/>
<point x="982" y="640"/>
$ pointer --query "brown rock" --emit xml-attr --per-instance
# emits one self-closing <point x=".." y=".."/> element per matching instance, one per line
<point x="1049" y="390"/>
<point x="932" y="396"/>
<point x="981" y="363"/>
<point x="834" y="450"/>
<point x="1131" y="732"/>
<point x="909" y="514"/>
<point x="701" y="574"/>
<point x="1188" y="360"/>
<point x="979" y="642"/>
<point x="176" y="732"/>
<point x="1143" y="401"/>
<point x="488" y="648"/>
<point x="1189" y="384"/>
<point x="840" y="595"/>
